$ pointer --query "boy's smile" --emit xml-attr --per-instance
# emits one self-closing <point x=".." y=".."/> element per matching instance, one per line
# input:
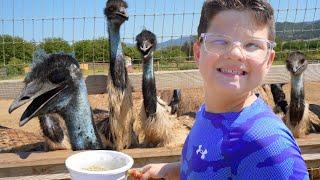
<point x="231" y="71"/>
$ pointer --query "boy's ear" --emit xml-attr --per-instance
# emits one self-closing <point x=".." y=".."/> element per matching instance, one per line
<point x="271" y="58"/>
<point x="196" y="51"/>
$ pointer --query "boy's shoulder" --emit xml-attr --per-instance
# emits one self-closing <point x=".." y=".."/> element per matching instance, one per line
<point x="256" y="120"/>
<point x="260" y="123"/>
<point x="260" y="115"/>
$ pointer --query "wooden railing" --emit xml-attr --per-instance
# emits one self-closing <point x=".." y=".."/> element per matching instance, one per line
<point x="51" y="165"/>
<point x="165" y="80"/>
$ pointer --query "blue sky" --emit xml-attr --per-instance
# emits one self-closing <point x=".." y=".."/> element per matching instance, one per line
<point x="33" y="19"/>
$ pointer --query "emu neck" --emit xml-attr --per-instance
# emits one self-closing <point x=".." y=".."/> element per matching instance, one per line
<point x="297" y="103"/>
<point x="117" y="65"/>
<point x="79" y="121"/>
<point x="149" y="88"/>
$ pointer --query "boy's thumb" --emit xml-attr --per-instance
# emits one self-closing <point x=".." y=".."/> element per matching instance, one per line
<point x="145" y="176"/>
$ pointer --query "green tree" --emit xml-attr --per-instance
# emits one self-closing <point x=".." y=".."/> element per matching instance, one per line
<point x="314" y="44"/>
<point x="132" y="52"/>
<point x="92" y="50"/>
<point x="101" y="50"/>
<point x="171" y="54"/>
<point x="15" y="47"/>
<point x="295" y="45"/>
<point x="15" y="67"/>
<point x="55" y="45"/>
<point x="279" y="45"/>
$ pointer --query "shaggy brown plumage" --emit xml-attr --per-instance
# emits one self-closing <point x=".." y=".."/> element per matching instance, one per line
<point x="55" y="132"/>
<point x="191" y="100"/>
<point x="299" y="118"/>
<point x="168" y="130"/>
<point x="264" y="92"/>
<point x="119" y="130"/>
<point x="121" y="119"/>
<point x="302" y="128"/>
<point x="156" y="122"/>
<point x="157" y="128"/>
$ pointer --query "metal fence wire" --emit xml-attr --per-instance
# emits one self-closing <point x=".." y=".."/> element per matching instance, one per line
<point x="79" y="26"/>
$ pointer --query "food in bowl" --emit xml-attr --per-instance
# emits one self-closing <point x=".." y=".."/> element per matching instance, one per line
<point x="96" y="168"/>
<point x="99" y="165"/>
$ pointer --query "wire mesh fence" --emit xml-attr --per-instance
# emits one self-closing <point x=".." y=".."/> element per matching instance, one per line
<point x="79" y="26"/>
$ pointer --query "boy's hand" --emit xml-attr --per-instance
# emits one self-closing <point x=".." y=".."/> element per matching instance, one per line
<point x="156" y="171"/>
<point x="135" y="173"/>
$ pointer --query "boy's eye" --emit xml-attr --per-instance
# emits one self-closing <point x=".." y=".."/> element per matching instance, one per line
<point x="253" y="46"/>
<point x="218" y="42"/>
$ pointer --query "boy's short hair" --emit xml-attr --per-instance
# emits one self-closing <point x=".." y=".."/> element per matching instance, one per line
<point x="261" y="10"/>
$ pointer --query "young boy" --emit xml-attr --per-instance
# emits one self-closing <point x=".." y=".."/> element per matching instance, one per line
<point x="236" y="135"/>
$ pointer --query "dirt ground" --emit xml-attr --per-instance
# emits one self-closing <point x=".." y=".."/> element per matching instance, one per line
<point x="100" y="101"/>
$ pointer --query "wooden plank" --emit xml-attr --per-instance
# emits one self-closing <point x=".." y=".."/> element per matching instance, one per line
<point x="165" y="80"/>
<point x="61" y="176"/>
<point x="57" y="171"/>
<point x="50" y="165"/>
<point x="312" y="160"/>
<point x="309" y="144"/>
<point x="96" y="84"/>
<point x="11" y="160"/>
<point x="10" y="89"/>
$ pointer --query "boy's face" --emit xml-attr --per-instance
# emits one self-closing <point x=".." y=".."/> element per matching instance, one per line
<point x="220" y="71"/>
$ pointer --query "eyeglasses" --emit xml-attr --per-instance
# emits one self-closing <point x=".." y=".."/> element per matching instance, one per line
<point x="252" y="48"/>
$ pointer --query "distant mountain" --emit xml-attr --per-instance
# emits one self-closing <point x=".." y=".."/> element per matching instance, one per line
<point x="285" y="30"/>
<point x="301" y="30"/>
<point x="175" y="42"/>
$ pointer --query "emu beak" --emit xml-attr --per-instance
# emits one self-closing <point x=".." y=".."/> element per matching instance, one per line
<point x="123" y="13"/>
<point x="40" y="94"/>
<point x="294" y="70"/>
<point x="145" y="48"/>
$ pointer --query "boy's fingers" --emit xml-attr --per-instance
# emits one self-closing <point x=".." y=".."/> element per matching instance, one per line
<point x="145" y="168"/>
<point x="135" y="173"/>
<point x="145" y="176"/>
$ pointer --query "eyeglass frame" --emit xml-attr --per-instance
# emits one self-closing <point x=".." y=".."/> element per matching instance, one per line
<point x="203" y="37"/>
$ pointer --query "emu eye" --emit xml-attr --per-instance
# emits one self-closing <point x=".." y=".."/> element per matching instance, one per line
<point x="111" y="9"/>
<point x="302" y="61"/>
<point x="57" y="76"/>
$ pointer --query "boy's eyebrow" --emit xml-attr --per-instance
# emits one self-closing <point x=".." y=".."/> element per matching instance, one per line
<point x="224" y="34"/>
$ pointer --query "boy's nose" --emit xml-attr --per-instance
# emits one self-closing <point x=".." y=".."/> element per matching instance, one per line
<point x="235" y="53"/>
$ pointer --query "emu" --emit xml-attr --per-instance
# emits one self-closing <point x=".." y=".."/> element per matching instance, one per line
<point x="58" y="96"/>
<point x="157" y="122"/>
<point x="299" y="119"/>
<point x="119" y="90"/>
<point x="154" y="113"/>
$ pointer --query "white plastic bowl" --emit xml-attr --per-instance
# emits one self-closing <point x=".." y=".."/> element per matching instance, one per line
<point x="118" y="163"/>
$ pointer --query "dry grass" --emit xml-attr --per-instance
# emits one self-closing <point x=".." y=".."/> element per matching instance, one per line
<point x="192" y="101"/>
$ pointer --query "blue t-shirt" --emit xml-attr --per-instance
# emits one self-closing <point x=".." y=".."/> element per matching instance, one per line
<point x="251" y="144"/>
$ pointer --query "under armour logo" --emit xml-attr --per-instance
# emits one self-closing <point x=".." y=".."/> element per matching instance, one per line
<point x="202" y="152"/>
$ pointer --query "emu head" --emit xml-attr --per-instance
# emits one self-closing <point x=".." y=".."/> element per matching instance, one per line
<point x="146" y="43"/>
<point x="296" y="63"/>
<point x="116" y="11"/>
<point x="51" y="84"/>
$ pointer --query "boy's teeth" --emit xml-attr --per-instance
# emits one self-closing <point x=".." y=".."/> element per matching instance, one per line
<point x="232" y="71"/>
